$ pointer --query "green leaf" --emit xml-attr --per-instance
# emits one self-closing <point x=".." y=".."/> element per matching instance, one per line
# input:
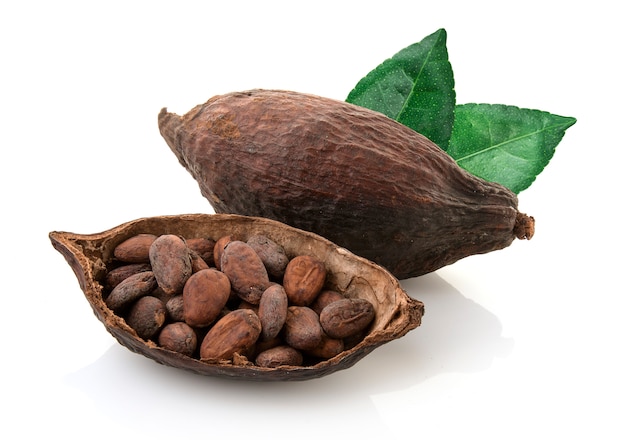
<point x="505" y="144"/>
<point x="415" y="87"/>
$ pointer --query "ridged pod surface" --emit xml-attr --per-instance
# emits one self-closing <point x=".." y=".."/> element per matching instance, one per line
<point x="347" y="173"/>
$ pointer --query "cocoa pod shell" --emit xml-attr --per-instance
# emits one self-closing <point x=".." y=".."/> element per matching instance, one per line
<point x="91" y="255"/>
<point x="347" y="173"/>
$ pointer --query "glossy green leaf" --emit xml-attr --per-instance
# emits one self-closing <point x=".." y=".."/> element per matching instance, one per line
<point x="505" y="144"/>
<point x="415" y="87"/>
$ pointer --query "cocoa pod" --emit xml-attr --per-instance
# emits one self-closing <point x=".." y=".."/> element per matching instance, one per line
<point x="245" y="270"/>
<point x="346" y="317"/>
<point x="91" y="257"/>
<point x="236" y="332"/>
<point x="408" y="206"/>
<point x="170" y="259"/>
<point x="204" y="296"/>
<point x="303" y="280"/>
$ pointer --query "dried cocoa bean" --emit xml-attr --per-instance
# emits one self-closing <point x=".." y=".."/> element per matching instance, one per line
<point x="408" y="206"/>
<point x="346" y="317"/>
<point x="245" y="270"/>
<point x="135" y="249"/>
<point x="277" y="356"/>
<point x="324" y="298"/>
<point x="302" y="329"/>
<point x="272" y="311"/>
<point x="131" y="289"/>
<point x="179" y="337"/>
<point x="204" y="296"/>
<point x="271" y="253"/>
<point x="218" y="249"/>
<point x="304" y="279"/>
<point x="119" y="274"/>
<point x="204" y="248"/>
<point x="327" y="348"/>
<point x="197" y="262"/>
<point x="237" y="332"/>
<point x="171" y="263"/>
<point x="174" y="307"/>
<point x="147" y="316"/>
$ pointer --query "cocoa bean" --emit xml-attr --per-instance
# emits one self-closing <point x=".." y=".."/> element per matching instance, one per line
<point x="131" y="289"/>
<point x="179" y="337"/>
<point x="147" y="316"/>
<point x="302" y="329"/>
<point x="304" y="279"/>
<point x="237" y="332"/>
<point x="204" y="248"/>
<point x="204" y="296"/>
<point x="272" y="311"/>
<point x="277" y="356"/>
<point x="346" y="317"/>
<point x="171" y="263"/>
<point x="119" y="274"/>
<point x="271" y="253"/>
<point x="245" y="270"/>
<point x="135" y="249"/>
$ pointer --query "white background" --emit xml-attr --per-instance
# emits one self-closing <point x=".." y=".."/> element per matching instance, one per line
<point x="526" y="342"/>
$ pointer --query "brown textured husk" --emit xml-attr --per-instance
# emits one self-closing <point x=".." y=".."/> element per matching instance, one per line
<point x="352" y="175"/>
<point x="396" y="312"/>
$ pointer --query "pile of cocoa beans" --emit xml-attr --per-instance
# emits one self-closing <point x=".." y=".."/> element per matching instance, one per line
<point x="232" y="301"/>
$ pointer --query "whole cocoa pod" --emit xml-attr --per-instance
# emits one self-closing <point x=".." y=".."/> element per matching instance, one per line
<point x="352" y="175"/>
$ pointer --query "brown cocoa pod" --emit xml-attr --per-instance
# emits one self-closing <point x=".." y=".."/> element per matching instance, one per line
<point x="302" y="329"/>
<point x="130" y="290"/>
<point x="271" y="253"/>
<point x="135" y="249"/>
<point x="203" y="247"/>
<point x="409" y="207"/>
<point x="204" y="296"/>
<point x="346" y="317"/>
<point x="179" y="337"/>
<point x="91" y="255"/>
<point x="303" y="280"/>
<point x="171" y="263"/>
<point x="147" y="316"/>
<point x="245" y="270"/>
<point x="324" y="298"/>
<point x="174" y="307"/>
<point x="272" y="311"/>
<point x="119" y="274"/>
<point x="277" y="356"/>
<point x="236" y="332"/>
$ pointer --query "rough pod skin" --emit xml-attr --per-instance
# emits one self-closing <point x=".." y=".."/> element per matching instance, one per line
<point x="347" y="173"/>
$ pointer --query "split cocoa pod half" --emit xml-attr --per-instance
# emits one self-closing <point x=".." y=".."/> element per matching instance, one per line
<point x="363" y="295"/>
<point x="347" y="173"/>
